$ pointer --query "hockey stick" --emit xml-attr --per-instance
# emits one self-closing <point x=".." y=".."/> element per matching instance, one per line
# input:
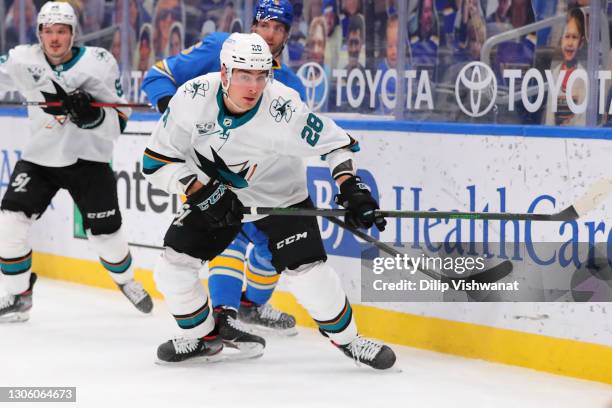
<point x="94" y="104"/>
<point x="491" y="275"/>
<point x="597" y="193"/>
<point x="137" y="133"/>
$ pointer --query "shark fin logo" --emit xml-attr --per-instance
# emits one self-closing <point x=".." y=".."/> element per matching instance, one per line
<point x="59" y="96"/>
<point x="196" y="88"/>
<point x="218" y="170"/>
<point x="102" y="55"/>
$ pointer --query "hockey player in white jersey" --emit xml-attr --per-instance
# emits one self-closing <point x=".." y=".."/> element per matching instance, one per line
<point x="234" y="139"/>
<point x="272" y="20"/>
<point x="70" y="147"/>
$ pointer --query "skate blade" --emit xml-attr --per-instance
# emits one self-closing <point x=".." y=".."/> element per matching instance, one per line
<point x="392" y="369"/>
<point x="16" y="317"/>
<point x="264" y="331"/>
<point x="244" y="351"/>
<point x="210" y="359"/>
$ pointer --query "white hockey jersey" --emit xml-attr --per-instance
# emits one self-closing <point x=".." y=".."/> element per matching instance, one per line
<point x="55" y="141"/>
<point x="259" y="153"/>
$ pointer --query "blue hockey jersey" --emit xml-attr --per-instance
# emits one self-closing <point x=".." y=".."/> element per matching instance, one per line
<point x="164" y="78"/>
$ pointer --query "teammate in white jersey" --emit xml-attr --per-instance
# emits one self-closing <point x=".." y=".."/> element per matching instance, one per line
<point x="70" y="147"/>
<point x="235" y="139"/>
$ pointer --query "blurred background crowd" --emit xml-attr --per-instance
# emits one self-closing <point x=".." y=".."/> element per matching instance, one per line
<point x="348" y="52"/>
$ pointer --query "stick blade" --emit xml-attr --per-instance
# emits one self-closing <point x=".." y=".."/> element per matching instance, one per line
<point x="596" y="194"/>
<point x="569" y="214"/>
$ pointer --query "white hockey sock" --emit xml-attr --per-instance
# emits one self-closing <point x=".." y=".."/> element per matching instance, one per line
<point x="177" y="278"/>
<point x="114" y="255"/>
<point x="15" y="251"/>
<point x="317" y="287"/>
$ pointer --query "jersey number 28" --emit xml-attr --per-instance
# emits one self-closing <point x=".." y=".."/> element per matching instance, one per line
<point x="310" y="132"/>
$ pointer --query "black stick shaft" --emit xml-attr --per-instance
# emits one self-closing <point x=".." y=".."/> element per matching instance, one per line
<point x="566" y="215"/>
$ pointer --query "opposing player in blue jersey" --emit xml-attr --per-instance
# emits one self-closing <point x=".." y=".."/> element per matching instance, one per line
<point x="272" y="21"/>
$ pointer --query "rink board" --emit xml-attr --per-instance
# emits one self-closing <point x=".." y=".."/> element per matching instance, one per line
<point x="443" y="169"/>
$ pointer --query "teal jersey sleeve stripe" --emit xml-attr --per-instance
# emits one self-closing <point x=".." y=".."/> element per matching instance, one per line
<point x="153" y="161"/>
<point x="151" y="165"/>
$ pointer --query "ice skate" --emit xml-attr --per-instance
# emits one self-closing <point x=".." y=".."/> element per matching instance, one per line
<point x="369" y="352"/>
<point x="180" y="350"/>
<point x="265" y="319"/>
<point x="137" y="296"/>
<point x="235" y="335"/>
<point x="16" y="308"/>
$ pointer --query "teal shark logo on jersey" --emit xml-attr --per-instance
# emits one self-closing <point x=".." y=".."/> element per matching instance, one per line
<point x="220" y="171"/>
<point x="3" y="59"/>
<point x="281" y="109"/>
<point x="196" y="88"/>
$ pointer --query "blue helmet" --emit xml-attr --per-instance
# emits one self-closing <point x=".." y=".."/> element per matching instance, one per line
<point x="279" y="10"/>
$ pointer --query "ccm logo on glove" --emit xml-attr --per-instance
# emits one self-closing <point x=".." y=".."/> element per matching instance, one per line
<point x="213" y="198"/>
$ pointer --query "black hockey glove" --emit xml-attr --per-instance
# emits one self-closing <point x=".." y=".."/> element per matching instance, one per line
<point x="218" y="206"/>
<point x="355" y="196"/>
<point x="80" y="111"/>
<point x="162" y="103"/>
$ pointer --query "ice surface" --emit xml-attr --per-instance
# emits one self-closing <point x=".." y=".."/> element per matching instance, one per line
<point x="95" y="340"/>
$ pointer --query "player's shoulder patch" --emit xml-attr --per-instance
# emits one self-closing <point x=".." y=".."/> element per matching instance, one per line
<point x="203" y="86"/>
<point x="99" y="55"/>
<point x="196" y="88"/>
<point x="96" y="62"/>
<point x="282" y="109"/>
<point x="281" y="101"/>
